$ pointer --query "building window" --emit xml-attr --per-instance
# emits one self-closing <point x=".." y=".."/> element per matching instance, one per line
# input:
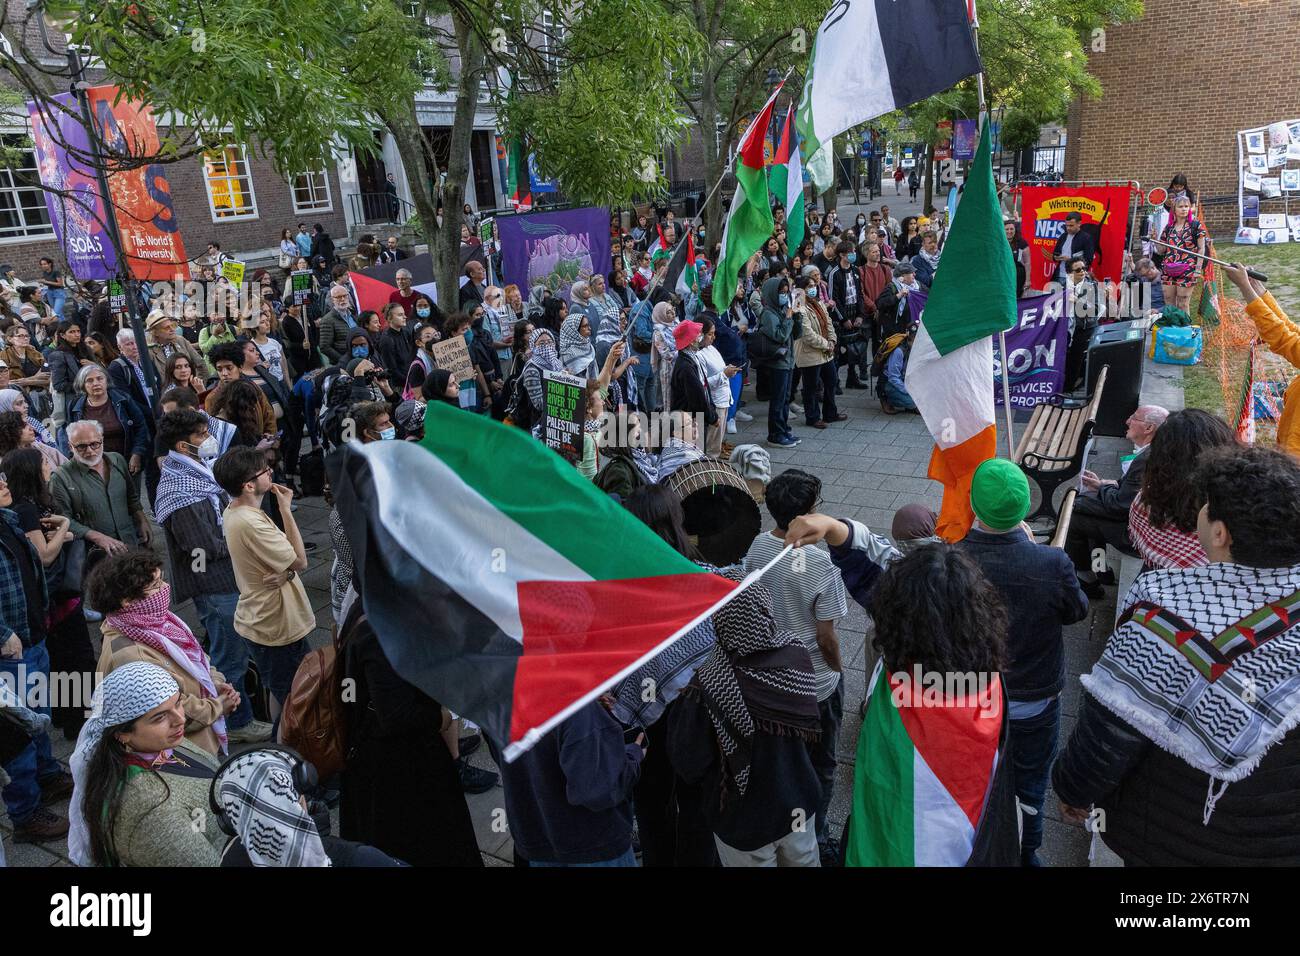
<point x="23" y="213"/>
<point x="311" y="193"/>
<point x="230" y="184"/>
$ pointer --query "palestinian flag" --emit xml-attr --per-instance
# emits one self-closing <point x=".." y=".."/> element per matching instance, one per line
<point x="749" y="222"/>
<point x="876" y="56"/>
<point x="682" y="275"/>
<point x="1208" y="308"/>
<point x="930" y="785"/>
<point x="785" y="179"/>
<point x="518" y="184"/>
<point x="1245" y="417"/>
<point x="500" y="581"/>
<point x="950" y="371"/>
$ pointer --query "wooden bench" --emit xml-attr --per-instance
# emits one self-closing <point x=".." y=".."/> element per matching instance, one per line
<point x="1052" y="446"/>
<point x="1063" y="518"/>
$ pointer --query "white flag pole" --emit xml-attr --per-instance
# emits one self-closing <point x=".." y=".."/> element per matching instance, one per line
<point x="1002" y="336"/>
<point x="534" y="734"/>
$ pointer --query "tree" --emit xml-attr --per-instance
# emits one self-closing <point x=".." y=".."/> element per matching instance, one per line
<point x="741" y="41"/>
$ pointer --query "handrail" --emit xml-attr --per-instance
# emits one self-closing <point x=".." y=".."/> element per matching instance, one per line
<point x="380" y="208"/>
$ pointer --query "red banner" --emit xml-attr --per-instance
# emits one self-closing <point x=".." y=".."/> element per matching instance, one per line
<point x="1105" y="212"/>
<point x="141" y="196"/>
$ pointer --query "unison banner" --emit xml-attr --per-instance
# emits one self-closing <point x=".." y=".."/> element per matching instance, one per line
<point x="1105" y="212"/>
<point x="554" y="249"/>
<point x="71" y="189"/>
<point x="1036" y="345"/>
<point x="141" y="196"/>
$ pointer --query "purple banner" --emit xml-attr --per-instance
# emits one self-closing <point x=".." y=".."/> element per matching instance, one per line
<point x="72" y="191"/>
<point x="554" y="249"/>
<point x="1036" y="344"/>
<point x="965" y="135"/>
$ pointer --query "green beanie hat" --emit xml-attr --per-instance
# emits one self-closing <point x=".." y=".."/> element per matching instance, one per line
<point x="999" y="494"/>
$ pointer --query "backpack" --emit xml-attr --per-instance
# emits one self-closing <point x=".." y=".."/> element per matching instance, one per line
<point x="882" y="356"/>
<point x="336" y="391"/>
<point x="519" y="410"/>
<point x="313" y="720"/>
<point x="311" y="473"/>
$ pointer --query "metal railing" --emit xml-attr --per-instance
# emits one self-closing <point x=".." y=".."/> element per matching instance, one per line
<point x="380" y="208"/>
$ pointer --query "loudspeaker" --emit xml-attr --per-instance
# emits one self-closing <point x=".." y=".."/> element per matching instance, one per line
<point x="1122" y="347"/>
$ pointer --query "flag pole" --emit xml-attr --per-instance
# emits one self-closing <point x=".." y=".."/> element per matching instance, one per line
<point x="1002" y="336"/>
<point x="534" y="734"/>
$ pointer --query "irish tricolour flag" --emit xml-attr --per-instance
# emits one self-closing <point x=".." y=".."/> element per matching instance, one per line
<point x="950" y="369"/>
<point x="501" y="582"/>
<point x="927" y="789"/>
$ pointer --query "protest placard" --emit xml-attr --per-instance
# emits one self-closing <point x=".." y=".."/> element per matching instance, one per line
<point x="453" y="355"/>
<point x="564" y="414"/>
<point x="233" y="270"/>
<point x="300" y="286"/>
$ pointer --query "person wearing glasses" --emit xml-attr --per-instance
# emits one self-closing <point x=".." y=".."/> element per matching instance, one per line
<point x="98" y="493"/>
<point x="1084" y="304"/>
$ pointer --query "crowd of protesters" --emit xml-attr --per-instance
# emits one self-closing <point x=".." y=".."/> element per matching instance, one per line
<point x="137" y="476"/>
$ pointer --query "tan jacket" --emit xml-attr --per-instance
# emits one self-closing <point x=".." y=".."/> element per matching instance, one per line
<point x="812" y="348"/>
<point x="200" y="712"/>
<point x="182" y="345"/>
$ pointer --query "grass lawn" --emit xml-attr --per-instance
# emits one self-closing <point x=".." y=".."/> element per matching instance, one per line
<point x="1222" y="368"/>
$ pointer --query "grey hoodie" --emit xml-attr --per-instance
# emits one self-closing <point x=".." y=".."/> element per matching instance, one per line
<point x="777" y="325"/>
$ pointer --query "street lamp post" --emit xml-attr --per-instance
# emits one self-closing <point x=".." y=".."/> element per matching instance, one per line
<point x="77" y="78"/>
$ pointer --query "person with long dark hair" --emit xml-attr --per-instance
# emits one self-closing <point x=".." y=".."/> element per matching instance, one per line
<point x="936" y="617"/>
<point x="141" y="789"/>
<point x="1162" y="518"/>
<point x="65" y="360"/>
<point x="1186" y="738"/>
<point x="27" y="473"/>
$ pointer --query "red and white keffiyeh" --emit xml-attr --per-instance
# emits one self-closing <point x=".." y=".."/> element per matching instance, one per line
<point x="1163" y="547"/>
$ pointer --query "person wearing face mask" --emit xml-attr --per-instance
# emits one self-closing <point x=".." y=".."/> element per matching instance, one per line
<point x="814" y="358"/>
<point x="845" y="286"/>
<point x="780" y="325"/>
<point x="139" y="626"/>
<point x="189" y="507"/>
<point x="426" y="313"/>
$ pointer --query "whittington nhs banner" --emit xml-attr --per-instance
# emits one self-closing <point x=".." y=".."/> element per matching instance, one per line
<point x="1037" y="346"/>
<point x="141" y="196"/>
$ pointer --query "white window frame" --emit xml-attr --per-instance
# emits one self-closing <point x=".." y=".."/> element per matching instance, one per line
<point x="329" y="193"/>
<point x="252" y="192"/>
<point x="8" y="187"/>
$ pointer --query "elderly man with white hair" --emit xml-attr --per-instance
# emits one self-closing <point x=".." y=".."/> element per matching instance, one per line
<point x="98" y="493"/>
<point x="126" y="372"/>
<point x="1101" y="511"/>
<point x="163" y="341"/>
<point x="405" y="294"/>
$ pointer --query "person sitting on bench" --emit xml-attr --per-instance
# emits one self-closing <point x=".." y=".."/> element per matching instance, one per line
<point x="1101" y="510"/>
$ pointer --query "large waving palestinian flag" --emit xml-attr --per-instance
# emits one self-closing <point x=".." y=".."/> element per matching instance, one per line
<point x="950" y="370"/>
<point x="501" y="582"/>
<point x="749" y="222"/>
<point x="931" y="786"/>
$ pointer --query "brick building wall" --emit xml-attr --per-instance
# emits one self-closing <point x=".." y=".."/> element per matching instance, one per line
<point x="1176" y="87"/>
<point x="189" y="195"/>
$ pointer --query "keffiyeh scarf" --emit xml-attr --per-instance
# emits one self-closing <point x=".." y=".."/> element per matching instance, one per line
<point x="676" y="455"/>
<point x="257" y="794"/>
<point x="1205" y="663"/>
<point x="756" y="679"/>
<point x="125" y="694"/>
<point x="576" y="351"/>
<point x="184" y="482"/>
<point x="151" y="622"/>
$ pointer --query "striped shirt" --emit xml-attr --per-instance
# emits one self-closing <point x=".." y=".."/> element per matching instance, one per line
<point x="803" y="593"/>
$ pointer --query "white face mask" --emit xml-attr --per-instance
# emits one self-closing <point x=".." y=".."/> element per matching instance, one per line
<point x="208" y="449"/>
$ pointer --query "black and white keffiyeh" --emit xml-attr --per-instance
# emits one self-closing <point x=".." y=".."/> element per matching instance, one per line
<point x="755" y="679"/>
<point x="126" y="693"/>
<point x="1205" y="663"/>
<point x="257" y="794"/>
<point x="185" y="481"/>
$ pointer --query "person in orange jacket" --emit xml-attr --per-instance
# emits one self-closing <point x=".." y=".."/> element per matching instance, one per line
<point x="1283" y="337"/>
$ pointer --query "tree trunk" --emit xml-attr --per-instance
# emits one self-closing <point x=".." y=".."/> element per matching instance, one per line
<point x="446" y="255"/>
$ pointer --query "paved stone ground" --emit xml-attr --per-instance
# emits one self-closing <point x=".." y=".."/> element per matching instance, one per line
<point x="870" y="466"/>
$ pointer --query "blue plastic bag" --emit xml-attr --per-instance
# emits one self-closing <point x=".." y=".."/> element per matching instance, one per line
<point x="1178" y="346"/>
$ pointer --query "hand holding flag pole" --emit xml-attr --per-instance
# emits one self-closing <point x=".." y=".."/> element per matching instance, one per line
<point x="1218" y="262"/>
